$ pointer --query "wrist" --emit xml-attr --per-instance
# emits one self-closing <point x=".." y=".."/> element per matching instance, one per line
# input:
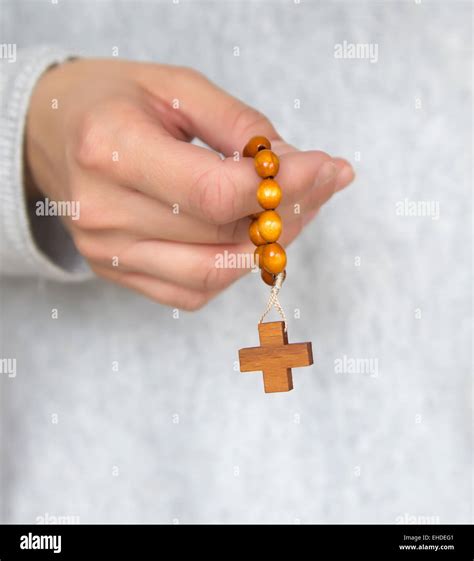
<point x="42" y="145"/>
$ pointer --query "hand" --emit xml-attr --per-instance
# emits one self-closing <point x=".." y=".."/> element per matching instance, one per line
<point x="154" y="209"/>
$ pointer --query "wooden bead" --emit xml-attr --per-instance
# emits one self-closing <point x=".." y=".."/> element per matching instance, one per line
<point x="267" y="277"/>
<point x="267" y="163"/>
<point x="269" y="194"/>
<point x="254" y="233"/>
<point x="269" y="225"/>
<point x="256" y="144"/>
<point x="257" y="255"/>
<point x="274" y="258"/>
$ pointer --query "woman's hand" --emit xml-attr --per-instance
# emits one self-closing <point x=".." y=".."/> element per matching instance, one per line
<point x="155" y="210"/>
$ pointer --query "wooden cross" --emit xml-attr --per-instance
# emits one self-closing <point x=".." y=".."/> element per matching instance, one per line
<point x="275" y="357"/>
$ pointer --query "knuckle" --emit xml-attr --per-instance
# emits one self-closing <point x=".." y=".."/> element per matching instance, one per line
<point x="248" y="120"/>
<point x="190" y="73"/>
<point x="232" y="232"/>
<point x="88" y="247"/>
<point x="321" y="154"/>
<point x="215" y="191"/>
<point x="215" y="277"/>
<point x="187" y="74"/>
<point x="99" y="271"/>
<point x="193" y="301"/>
<point x="212" y="277"/>
<point x="106" y="128"/>
<point x="227" y="233"/>
<point x="90" y="141"/>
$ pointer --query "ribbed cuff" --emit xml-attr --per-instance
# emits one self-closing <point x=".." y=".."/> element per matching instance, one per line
<point x="26" y="251"/>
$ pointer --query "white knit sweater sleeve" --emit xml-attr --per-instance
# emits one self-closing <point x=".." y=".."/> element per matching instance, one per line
<point x="29" y="245"/>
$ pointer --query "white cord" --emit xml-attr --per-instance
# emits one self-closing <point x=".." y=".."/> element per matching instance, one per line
<point x="273" y="300"/>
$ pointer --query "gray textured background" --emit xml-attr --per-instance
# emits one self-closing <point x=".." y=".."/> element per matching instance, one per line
<point x="340" y="447"/>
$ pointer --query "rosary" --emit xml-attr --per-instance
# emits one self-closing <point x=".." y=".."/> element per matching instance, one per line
<point x="275" y="357"/>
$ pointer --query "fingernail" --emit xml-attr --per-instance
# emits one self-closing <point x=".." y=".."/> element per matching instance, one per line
<point x="326" y="172"/>
<point x="344" y="177"/>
